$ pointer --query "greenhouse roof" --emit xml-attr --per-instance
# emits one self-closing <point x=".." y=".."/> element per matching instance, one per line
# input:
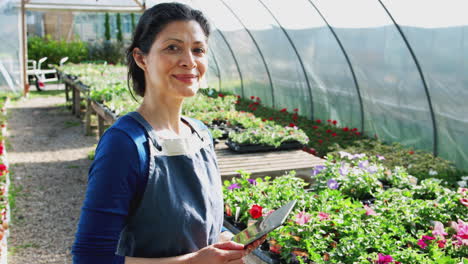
<point x="86" y="5"/>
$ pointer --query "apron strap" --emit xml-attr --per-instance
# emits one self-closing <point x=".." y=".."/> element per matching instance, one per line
<point x="149" y="129"/>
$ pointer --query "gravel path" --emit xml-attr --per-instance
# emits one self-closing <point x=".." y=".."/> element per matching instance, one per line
<point x="48" y="159"/>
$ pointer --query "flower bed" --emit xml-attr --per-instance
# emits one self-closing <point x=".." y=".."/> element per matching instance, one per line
<point x="4" y="185"/>
<point x="357" y="211"/>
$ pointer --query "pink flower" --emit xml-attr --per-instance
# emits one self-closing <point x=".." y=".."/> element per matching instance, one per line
<point x="422" y="244"/>
<point x="428" y="237"/>
<point x="462" y="229"/>
<point x="439" y="229"/>
<point x="323" y="216"/>
<point x="462" y="191"/>
<point x="302" y="218"/>
<point x="369" y="211"/>
<point x="384" y="259"/>
<point x="464" y="201"/>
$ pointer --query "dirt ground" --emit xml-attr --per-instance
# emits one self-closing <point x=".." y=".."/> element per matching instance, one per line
<point x="47" y="152"/>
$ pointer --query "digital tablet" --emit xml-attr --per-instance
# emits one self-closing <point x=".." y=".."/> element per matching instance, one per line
<point x="268" y="224"/>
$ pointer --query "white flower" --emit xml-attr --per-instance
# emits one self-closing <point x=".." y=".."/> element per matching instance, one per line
<point x="462" y="184"/>
<point x="433" y="172"/>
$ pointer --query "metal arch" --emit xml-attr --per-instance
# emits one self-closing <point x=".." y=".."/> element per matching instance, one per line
<point x="233" y="57"/>
<point x="418" y="66"/>
<point x="298" y="57"/>
<point x="235" y="60"/>
<point x="348" y="61"/>
<point x="259" y="51"/>
<point x="217" y="66"/>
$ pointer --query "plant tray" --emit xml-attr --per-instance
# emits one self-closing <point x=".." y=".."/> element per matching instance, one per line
<point x="265" y="256"/>
<point x="250" y="148"/>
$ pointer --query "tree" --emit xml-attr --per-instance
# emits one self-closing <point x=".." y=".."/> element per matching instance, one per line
<point x="107" y="33"/>
<point x="119" y="28"/>
<point x="132" y="15"/>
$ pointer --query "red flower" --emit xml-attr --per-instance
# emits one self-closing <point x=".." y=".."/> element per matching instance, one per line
<point x="252" y="97"/>
<point x="334" y="135"/>
<point x="411" y="152"/>
<point x="334" y="122"/>
<point x="329" y="131"/>
<point x="250" y="105"/>
<point x="315" y="127"/>
<point x="258" y="99"/>
<point x="271" y="118"/>
<point x="263" y="119"/>
<point x="296" y="110"/>
<point x="228" y="210"/>
<point x="292" y="125"/>
<point x="238" y="96"/>
<point x="345" y="129"/>
<point x="312" y="151"/>
<point x="275" y="248"/>
<point x="441" y="243"/>
<point x="318" y="121"/>
<point x="295" y="117"/>
<point x="1" y="149"/>
<point x="357" y="133"/>
<point x="255" y="108"/>
<point x="320" y="141"/>
<point x="329" y="120"/>
<point x="2" y="168"/>
<point x="220" y="95"/>
<point x="237" y="102"/>
<point x="284" y="110"/>
<point x="354" y="129"/>
<point x="256" y="103"/>
<point x="255" y="211"/>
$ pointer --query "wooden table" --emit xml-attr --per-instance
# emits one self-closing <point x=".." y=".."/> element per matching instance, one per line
<point x="272" y="163"/>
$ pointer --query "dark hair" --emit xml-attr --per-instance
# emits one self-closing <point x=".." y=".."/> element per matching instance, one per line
<point x="151" y="23"/>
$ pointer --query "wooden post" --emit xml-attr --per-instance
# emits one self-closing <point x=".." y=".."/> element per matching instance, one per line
<point x="100" y="125"/>
<point x="24" y="49"/>
<point x="89" y="112"/>
<point x="77" y="102"/>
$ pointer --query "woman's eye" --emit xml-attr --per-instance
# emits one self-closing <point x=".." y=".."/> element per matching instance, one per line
<point x="199" y="50"/>
<point x="172" y="48"/>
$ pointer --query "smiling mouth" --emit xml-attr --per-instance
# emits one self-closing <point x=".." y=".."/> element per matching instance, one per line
<point x="186" y="78"/>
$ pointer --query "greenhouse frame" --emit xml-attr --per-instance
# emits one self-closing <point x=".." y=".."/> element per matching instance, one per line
<point x="397" y="70"/>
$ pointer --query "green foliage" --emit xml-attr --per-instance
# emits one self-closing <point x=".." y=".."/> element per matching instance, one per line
<point x="111" y="52"/>
<point x="55" y="50"/>
<point x="119" y="28"/>
<point x="107" y="33"/>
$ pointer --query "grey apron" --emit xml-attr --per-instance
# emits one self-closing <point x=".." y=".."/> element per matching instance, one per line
<point x="181" y="210"/>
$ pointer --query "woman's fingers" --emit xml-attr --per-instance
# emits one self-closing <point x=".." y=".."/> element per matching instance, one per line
<point x="229" y="245"/>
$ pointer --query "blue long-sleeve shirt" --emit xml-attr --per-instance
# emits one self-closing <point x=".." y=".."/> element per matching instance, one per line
<point x="117" y="179"/>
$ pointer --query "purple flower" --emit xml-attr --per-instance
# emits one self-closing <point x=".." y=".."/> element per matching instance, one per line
<point x="252" y="181"/>
<point x="380" y="157"/>
<point x="318" y="169"/>
<point x="372" y="169"/>
<point x="358" y="156"/>
<point x="344" y="154"/>
<point x="234" y="186"/>
<point x="332" y="184"/>
<point x="363" y="164"/>
<point x="344" y="170"/>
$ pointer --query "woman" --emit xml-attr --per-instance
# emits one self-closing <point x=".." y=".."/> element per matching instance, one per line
<point x="154" y="189"/>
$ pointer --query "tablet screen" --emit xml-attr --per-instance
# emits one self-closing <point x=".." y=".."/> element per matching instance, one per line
<point x="261" y="228"/>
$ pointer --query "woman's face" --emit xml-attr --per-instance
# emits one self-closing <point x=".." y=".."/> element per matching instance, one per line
<point x="177" y="60"/>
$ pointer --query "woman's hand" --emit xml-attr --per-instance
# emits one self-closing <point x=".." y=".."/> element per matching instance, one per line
<point x="225" y="236"/>
<point x="255" y="244"/>
<point x="224" y="252"/>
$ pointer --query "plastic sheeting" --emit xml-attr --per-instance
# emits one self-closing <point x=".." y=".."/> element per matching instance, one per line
<point x="10" y="71"/>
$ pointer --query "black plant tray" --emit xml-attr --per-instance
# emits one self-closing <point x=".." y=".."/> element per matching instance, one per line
<point x="265" y="256"/>
<point x="251" y="148"/>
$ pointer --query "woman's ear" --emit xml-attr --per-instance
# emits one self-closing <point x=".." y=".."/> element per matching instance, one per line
<point x="140" y="58"/>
